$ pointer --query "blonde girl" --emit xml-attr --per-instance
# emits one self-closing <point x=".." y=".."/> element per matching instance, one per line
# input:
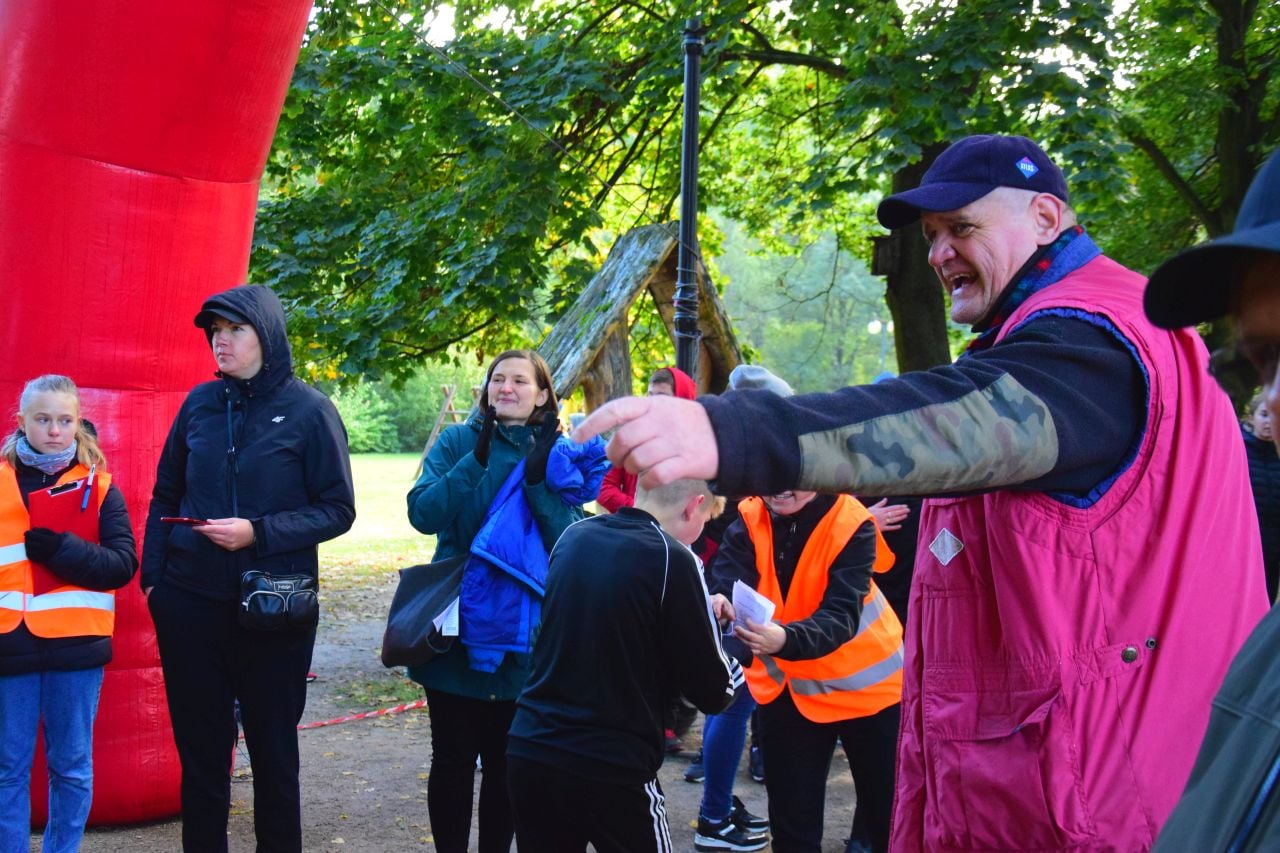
<point x="57" y="612"/>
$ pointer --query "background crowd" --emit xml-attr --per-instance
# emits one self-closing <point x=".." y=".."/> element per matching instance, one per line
<point x="1084" y="481"/>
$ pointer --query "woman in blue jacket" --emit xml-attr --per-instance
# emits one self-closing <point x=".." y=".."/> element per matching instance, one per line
<point x="471" y="709"/>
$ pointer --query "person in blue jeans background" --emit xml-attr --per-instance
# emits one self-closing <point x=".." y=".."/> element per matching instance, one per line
<point x="55" y="632"/>
<point x="724" y="734"/>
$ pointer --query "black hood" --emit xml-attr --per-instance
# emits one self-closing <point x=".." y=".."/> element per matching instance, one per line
<point x="260" y="308"/>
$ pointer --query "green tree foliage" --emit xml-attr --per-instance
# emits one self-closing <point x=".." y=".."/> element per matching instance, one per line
<point x="1200" y="111"/>
<point x="409" y="210"/>
<point x="806" y="315"/>
<point x="367" y="418"/>
<point x="386" y="416"/>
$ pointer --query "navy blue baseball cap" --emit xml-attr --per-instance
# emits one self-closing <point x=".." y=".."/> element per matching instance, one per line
<point x="1196" y="285"/>
<point x="968" y="170"/>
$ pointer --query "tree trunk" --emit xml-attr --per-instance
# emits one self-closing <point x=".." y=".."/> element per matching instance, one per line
<point x="1238" y="118"/>
<point x="912" y="293"/>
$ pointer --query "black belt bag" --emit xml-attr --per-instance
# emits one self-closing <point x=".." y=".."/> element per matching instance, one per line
<point x="278" y="602"/>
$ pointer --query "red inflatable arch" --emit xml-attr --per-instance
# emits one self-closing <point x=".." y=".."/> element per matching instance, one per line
<point x="133" y="134"/>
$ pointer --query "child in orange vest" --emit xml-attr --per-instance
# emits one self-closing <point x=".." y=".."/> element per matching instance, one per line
<point x="57" y="611"/>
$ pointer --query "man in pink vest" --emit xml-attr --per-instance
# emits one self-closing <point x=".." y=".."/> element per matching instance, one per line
<point x="1094" y="563"/>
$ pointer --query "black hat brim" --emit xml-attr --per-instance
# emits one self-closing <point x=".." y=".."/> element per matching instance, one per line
<point x="1197" y="285"/>
<point x="204" y="319"/>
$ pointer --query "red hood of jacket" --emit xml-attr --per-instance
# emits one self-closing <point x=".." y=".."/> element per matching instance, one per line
<point x="686" y="388"/>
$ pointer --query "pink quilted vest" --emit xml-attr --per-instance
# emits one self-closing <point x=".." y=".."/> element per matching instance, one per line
<point x="1060" y="661"/>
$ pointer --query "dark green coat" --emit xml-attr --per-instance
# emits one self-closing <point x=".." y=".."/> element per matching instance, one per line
<point x="451" y="500"/>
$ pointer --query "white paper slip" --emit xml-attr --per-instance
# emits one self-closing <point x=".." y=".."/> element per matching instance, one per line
<point x="447" y="622"/>
<point x="749" y="605"/>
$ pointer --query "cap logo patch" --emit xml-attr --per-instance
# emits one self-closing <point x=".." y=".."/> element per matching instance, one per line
<point x="1027" y="168"/>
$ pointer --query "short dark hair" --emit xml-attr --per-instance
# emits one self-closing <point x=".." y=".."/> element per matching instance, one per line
<point x="663" y="376"/>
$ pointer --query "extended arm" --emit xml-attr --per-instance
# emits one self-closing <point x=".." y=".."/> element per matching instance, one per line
<point x="1056" y="406"/>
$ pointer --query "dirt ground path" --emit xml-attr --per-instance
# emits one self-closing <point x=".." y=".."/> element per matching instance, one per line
<point x="364" y="783"/>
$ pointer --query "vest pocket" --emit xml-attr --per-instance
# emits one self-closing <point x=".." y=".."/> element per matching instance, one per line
<point x="1003" y="771"/>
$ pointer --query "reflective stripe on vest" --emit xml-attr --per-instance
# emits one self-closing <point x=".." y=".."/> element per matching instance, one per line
<point x="72" y="598"/>
<point x="65" y="611"/>
<point x="864" y="675"/>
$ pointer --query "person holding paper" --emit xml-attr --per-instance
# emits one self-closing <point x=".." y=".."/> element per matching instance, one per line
<point x="828" y="665"/>
<point x="57" y="606"/>
<point x="261" y="457"/>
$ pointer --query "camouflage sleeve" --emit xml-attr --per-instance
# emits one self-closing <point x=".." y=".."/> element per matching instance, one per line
<point x="994" y="436"/>
<point x="1057" y="406"/>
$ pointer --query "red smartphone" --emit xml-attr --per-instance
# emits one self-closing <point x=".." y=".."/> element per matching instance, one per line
<point x="182" y="519"/>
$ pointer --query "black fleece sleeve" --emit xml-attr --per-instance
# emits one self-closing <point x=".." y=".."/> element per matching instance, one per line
<point x="166" y="498"/>
<point x="735" y="560"/>
<point x="106" y="564"/>
<point x="1057" y="406"/>
<point x="691" y="649"/>
<point x="835" y="621"/>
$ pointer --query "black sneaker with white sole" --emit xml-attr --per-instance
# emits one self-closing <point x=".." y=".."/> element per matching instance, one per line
<point x="752" y="823"/>
<point x="726" y="835"/>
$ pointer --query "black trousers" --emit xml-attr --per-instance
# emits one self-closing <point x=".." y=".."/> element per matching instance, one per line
<point x="462" y="729"/>
<point x="560" y="812"/>
<point x="797" y="759"/>
<point x="209" y="662"/>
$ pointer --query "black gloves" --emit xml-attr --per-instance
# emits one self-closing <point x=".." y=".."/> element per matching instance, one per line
<point x="535" y="464"/>
<point x="42" y="544"/>
<point x="485" y="441"/>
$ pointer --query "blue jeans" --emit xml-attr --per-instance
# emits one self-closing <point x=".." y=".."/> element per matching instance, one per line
<point x="67" y="702"/>
<point x="723" y="737"/>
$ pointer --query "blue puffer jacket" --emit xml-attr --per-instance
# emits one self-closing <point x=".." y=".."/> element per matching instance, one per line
<point x="505" y="579"/>
<point x="451" y="500"/>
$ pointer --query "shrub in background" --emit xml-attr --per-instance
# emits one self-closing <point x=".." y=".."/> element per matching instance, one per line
<point x="367" y="416"/>
<point x="383" y="418"/>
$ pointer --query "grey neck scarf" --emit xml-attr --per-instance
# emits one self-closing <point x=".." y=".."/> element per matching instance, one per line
<point x="49" y="463"/>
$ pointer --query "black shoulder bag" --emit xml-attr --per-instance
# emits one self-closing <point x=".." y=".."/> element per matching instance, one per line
<point x="424" y="592"/>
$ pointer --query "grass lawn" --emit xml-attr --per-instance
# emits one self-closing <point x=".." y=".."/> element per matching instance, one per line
<point x="381" y="540"/>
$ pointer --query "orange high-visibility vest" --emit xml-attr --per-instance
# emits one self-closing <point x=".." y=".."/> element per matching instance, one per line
<point x="64" y="611"/>
<point x="864" y="675"/>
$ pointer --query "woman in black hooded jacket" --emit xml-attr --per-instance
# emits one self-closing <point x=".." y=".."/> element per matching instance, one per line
<point x="261" y="459"/>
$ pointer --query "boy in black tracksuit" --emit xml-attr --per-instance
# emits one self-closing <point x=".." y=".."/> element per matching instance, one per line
<point x="626" y="624"/>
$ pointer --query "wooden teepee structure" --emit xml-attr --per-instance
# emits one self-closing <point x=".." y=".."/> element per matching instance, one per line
<point x="589" y="345"/>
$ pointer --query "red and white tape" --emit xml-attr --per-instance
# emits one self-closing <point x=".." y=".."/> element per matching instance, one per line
<point x="381" y="712"/>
